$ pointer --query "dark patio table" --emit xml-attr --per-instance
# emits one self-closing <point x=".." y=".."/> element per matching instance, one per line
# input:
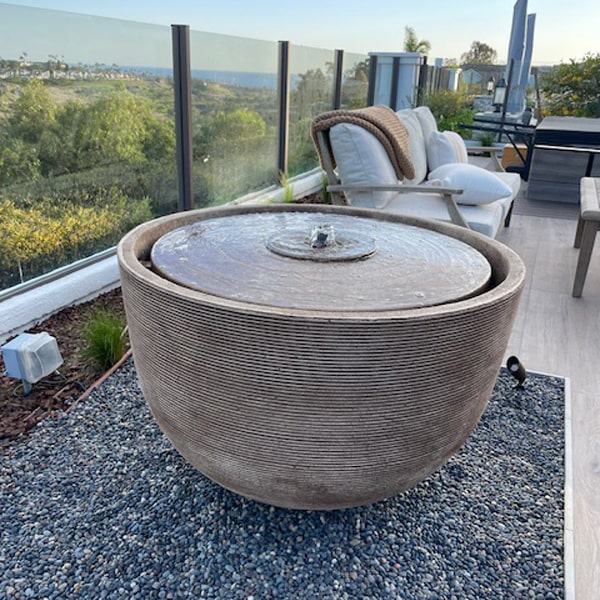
<point x="564" y="152"/>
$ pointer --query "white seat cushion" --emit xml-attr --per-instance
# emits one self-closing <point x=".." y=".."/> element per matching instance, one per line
<point x="418" y="147"/>
<point x="485" y="218"/>
<point x="513" y="181"/>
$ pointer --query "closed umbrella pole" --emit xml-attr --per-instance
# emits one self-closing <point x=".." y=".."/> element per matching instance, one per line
<point x="526" y="66"/>
<point x="516" y="49"/>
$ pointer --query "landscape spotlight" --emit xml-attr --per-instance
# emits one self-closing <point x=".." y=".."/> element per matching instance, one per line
<point x="30" y="357"/>
<point x="517" y="370"/>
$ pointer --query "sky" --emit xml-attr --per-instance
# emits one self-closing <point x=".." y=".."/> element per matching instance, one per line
<point x="561" y="31"/>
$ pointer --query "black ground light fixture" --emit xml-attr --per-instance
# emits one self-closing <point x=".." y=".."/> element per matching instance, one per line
<point x="490" y="86"/>
<point x="517" y="370"/>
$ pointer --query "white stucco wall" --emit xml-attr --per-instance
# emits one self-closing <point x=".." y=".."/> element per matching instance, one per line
<point x="19" y="313"/>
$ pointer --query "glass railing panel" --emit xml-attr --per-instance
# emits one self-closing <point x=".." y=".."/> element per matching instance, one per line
<point x="234" y="116"/>
<point x="87" y="145"/>
<point x="311" y="93"/>
<point x="355" y="84"/>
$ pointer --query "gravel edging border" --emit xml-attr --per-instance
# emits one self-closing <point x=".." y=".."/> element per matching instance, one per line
<point x="101" y="506"/>
<point x="100" y="380"/>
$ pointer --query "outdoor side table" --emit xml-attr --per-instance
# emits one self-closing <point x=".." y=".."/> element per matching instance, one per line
<point x="587" y="226"/>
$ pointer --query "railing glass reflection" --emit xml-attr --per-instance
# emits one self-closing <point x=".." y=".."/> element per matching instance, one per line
<point x="86" y="135"/>
<point x="234" y="116"/>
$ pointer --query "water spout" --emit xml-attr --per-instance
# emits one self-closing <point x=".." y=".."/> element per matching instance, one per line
<point x="322" y="236"/>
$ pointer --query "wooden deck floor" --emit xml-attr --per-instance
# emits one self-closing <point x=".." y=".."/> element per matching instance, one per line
<point x="556" y="333"/>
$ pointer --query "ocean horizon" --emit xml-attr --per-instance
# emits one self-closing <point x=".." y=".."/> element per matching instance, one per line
<point x="247" y="79"/>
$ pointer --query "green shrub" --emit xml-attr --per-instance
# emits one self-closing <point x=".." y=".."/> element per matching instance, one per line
<point x="18" y="160"/>
<point x="302" y="152"/>
<point x="288" y="188"/>
<point x="156" y="180"/>
<point x="450" y="109"/>
<point x="105" y="341"/>
<point x="486" y="139"/>
<point x="325" y="195"/>
<point x="573" y="88"/>
<point x="48" y="234"/>
<point x="215" y="135"/>
<point x="247" y="166"/>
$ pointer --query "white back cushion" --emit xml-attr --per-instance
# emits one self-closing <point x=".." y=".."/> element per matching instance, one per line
<point x="460" y="148"/>
<point x="361" y="160"/>
<point x="445" y="147"/>
<point x="427" y="121"/>
<point x="418" y="146"/>
<point x="479" y="186"/>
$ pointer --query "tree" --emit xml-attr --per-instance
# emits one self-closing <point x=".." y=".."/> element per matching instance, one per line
<point x="33" y="112"/>
<point x="360" y="71"/>
<point x="355" y="88"/>
<point x="220" y="132"/>
<point x="117" y="128"/>
<point x="53" y="64"/>
<point x="413" y="44"/>
<point x="238" y="125"/>
<point x="573" y="89"/>
<point x="479" y="54"/>
<point x="313" y="94"/>
<point x="43" y="138"/>
<point x="59" y="145"/>
<point x="18" y="160"/>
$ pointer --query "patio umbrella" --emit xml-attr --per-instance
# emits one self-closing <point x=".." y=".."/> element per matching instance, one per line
<point x="516" y="49"/>
<point x="526" y="65"/>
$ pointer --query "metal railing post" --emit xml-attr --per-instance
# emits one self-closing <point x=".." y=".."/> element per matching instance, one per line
<point x="506" y="96"/>
<point x="394" y="83"/>
<point x="182" y="82"/>
<point x="283" y="92"/>
<point x="372" y="80"/>
<point x="422" y="81"/>
<point x="338" y="73"/>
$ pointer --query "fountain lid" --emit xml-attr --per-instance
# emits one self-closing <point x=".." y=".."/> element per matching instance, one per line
<point x="319" y="261"/>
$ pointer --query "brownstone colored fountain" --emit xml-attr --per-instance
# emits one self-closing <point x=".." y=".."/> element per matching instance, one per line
<point x="314" y="356"/>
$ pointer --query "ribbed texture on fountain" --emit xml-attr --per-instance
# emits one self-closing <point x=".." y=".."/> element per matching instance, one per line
<point x="309" y="409"/>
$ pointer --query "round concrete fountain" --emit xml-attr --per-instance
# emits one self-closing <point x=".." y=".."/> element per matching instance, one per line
<point x="316" y="357"/>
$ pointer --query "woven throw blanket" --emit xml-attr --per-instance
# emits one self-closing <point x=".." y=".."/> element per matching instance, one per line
<point x="383" y="123"/>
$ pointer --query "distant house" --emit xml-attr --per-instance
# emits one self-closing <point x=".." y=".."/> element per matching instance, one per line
<point x="478" y="76"/>
<point x="471" y="76"/>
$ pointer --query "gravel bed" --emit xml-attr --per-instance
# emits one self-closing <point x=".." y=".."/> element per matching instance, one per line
<point x="97" y="504"/>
